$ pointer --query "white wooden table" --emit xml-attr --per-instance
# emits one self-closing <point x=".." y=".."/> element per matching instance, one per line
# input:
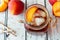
<point x="22" y="34"/>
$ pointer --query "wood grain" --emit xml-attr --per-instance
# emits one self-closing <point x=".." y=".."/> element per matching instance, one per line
<point x="12" y="21"/>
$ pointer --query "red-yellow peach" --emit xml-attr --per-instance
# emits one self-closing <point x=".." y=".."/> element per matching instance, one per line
<point x="16" y="7"/>
<point x="52" y="1"/>
<point x="56" y="9"/>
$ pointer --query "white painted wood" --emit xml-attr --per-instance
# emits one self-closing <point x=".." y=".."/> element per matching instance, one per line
<point x="49" y="8"/>
<point x="13" y="22"/>
<point x="19" y="27"/>
<point x="2" y="18"/>
<point x="30" y="35"/>
<point x="35" y="35"/>
<point x="55" y="33"/>
<point x="1" y="34"/>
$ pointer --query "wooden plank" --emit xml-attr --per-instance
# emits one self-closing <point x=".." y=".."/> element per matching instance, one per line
<point x="18" y="27"/>
<point x="35" y="35"/>
<point x="30" y="36"/>
<point x="15" y="25"/>
<point x="49" y="8"/>
<point x="54" y="34"/>
<point x="2" y="19"/>
<point x="43" y="36"/>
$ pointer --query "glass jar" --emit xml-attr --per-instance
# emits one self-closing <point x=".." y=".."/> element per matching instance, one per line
<point x="42" y="28"/>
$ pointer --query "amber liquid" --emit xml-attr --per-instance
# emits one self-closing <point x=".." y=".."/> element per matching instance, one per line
<point x="41" y="30"/>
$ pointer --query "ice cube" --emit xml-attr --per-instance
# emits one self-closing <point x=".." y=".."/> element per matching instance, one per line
<point x="43" y="14"/>
<point x="36" y="14"/>
<point x="39" y="21"/>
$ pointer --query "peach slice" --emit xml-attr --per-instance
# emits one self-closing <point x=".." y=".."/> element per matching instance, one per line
<point x="57" y="13"/>
<point x="39" y="21"/>
<point x="30" y="12"/>
<point x="3" y="6"/>
<point x="56" y="9"/>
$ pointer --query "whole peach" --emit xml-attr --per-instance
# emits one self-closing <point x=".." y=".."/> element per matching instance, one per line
<point x="16" y="7"/>
<point x="52" y="1"/>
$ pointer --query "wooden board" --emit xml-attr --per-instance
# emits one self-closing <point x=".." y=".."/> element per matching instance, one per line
<point x="22" y="34"/>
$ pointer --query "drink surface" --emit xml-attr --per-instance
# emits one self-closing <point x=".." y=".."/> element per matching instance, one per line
<point x="36" y="18"/>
